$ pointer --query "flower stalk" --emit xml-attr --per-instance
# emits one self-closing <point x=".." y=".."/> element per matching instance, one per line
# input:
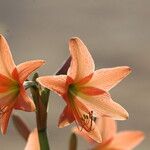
<point x="73" y="142"/>
<point x="28" y="84"/>
<point x="40" y="98"/>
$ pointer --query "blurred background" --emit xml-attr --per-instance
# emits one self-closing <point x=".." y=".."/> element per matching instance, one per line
<point x="117" y="32"/>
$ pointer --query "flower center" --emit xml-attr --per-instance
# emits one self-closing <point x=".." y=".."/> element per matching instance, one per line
<point x="73" y="90"/>
<point x="83" y="119"/>
<point x="8" y="95"/>
<point x="14" y="88"/>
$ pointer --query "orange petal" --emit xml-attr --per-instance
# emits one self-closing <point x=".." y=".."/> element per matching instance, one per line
<point x="4" y="121"/>
<point x="84" y="80"/>
<point x="80" y="105"/>
<point x="83" y="134"/>
<point x="93" y="132"/>
<point x="66" y="118"/>
<point x="24" y="102"/>
<point x="107" y="127"/>
<point x="54" y="83"/>
<point x="106" y="79"/>
<point x="92" y="136"/>
<point x="26" y="68"/>
<point x="33" y="141"/>
<point x="82" y="63"/>
<point x="6" y="61"/>
<point x="126" y="140"/>
<point x="91" y="91"/>
<point x="103" y="105"/>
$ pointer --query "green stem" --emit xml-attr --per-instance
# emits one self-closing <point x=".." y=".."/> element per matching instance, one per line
<point x="41" y="113"/>
<point x="44" y="145"/>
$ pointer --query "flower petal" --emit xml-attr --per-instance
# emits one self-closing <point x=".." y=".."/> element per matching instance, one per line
<point x="91" y="132"/>
<point x="103" y="105"/>
<point x="33" y="141"/>
<point x="4" y="121"/>
<point x="83" y="134"/>
<point x="24" y="102"/>
<point x="66" y="118"/>
<point x="7" y="101"/>
<point x="91" y="91"/>
<point x="80" y="105"/>
<point x="82" y="63"/>
<point x="91" y="136"/>
<point x="54" y="83"/>
<point x="126" y="140"/>
<point x="6" y="61"/>
<point x="26" y="68"/>
<point x="107" y="127"/>
<point x="106" y="79"/>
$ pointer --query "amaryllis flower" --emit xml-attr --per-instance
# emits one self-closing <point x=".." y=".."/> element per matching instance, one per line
<point x="85" y="91"/>
<point x="12" y="77"/>
<point x="33" y="141"/>
<point x="124" y="140"/>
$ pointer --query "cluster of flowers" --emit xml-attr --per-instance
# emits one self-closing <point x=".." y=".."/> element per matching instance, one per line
<point x="85" y="91"/>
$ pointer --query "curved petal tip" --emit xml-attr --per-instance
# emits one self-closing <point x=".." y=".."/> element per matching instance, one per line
<point x="124" y="115"/>
<point x="128" y="69"/>
<point x="40" y="61"/>
<point x="74" y="38"/>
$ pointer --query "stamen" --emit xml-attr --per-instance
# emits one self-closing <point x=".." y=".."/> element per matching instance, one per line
<point x="85" y="120"/>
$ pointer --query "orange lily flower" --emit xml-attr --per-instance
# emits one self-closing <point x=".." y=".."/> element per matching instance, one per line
<point x="12" y="77"/>
<point x="85" y="91"/>
<point x="125" y="140"/>
<point x="33" y="141"/>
